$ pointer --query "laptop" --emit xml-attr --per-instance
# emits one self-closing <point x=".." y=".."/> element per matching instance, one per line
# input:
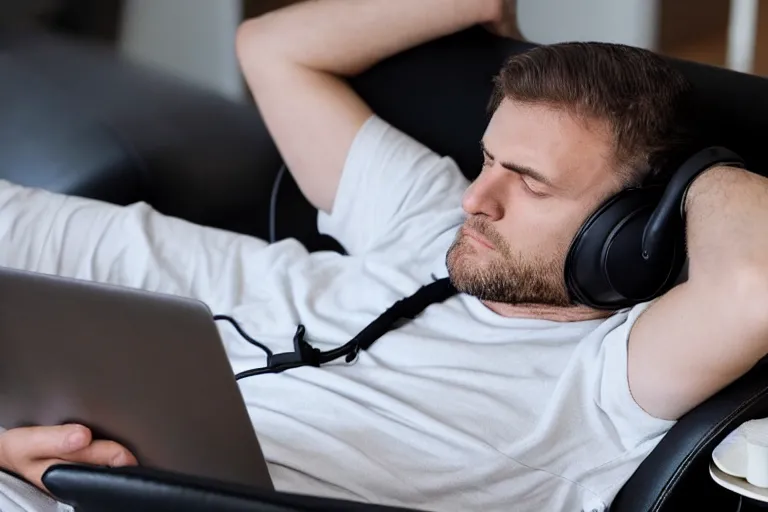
<point x="144" y="369"/>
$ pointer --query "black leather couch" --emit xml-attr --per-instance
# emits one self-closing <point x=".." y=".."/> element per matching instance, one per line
<point x="76" y="119"/>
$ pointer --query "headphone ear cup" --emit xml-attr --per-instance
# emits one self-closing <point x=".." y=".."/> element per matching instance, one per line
<point x="605" y="269"/>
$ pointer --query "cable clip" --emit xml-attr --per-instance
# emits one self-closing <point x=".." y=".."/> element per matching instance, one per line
<point x="353" y="353"/>
<point x="303" y="354"/>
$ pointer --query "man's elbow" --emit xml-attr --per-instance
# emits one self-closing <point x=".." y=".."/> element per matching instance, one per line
<point x="247" y="41"/>
<point x="257" y="46"/>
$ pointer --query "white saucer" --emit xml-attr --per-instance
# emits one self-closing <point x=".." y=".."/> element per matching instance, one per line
<point x="737" y="485"/>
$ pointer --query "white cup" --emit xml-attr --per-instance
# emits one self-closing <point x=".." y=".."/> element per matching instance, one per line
<point x="757" y="453"/>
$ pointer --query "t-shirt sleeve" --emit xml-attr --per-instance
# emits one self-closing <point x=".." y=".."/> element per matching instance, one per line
<point x="393" y="189"/>
<point x="17" y="495"/>
<point x="614" y="396"/>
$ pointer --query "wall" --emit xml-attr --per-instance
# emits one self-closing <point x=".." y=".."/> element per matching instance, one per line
<point x="193" y="39"/>
<point x="633" y="22"/>
<point x="549" y="21"/>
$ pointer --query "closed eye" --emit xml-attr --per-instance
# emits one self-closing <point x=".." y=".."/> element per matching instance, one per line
<point x="488" y="161"/>
<point x="533" y="192"/>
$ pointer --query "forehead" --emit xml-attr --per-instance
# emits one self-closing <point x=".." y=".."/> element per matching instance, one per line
<point x="574" y="153"/>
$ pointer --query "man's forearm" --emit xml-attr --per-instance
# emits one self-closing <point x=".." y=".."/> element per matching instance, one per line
<point x="345" y="37"/>
<point x="726" y="217"/>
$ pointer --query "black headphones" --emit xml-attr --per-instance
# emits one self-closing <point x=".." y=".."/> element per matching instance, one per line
<point x="632" y="248"/>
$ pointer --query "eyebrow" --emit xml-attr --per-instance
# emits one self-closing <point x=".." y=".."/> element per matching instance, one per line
<point x="520" y="169"/>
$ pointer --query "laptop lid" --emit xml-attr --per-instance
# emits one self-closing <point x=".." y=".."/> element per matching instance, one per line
<point x="144" y="369"/>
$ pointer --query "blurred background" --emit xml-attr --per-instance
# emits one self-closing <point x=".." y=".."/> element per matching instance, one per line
<point x="193" y="39"/>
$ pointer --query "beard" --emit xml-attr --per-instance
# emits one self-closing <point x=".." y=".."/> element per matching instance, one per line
<point x="506" y="276"/>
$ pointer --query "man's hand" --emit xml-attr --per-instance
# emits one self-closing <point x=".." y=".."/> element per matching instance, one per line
<point x="29" y="452"/>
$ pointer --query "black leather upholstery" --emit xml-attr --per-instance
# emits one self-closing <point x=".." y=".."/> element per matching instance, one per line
<point x="78" y="120"/>
<point x="75" y="120"/>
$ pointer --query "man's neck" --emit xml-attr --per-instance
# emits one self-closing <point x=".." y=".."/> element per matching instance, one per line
<point x="543" y="312"/>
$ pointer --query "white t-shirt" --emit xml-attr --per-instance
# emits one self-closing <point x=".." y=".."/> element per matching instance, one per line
<point x="460" y="409"/>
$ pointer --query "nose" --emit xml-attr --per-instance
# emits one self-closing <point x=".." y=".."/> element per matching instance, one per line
<point x="485" y="196"/>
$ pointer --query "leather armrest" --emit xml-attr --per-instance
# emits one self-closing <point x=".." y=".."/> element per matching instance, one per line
<point x="79" y="119"/>
<point x="91" y="489"/>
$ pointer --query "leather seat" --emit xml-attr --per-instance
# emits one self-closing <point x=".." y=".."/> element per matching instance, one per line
<point x="78" y="120"/>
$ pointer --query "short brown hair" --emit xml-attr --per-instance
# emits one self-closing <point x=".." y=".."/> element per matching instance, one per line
<point x="642" y="97"/>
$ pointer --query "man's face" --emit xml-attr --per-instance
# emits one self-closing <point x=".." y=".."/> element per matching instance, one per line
<point x="544" y="172"/>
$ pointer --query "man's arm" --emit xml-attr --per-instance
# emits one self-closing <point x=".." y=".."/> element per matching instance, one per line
<point x="707" y="332"/>
<point x="294" y="60"/>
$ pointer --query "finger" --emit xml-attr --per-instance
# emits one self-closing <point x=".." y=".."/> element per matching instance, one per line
<point x="34" y="471"/>
<point x="24" y="444"/>
<point x="103" y="453"/>
<point x="98" y="453"/>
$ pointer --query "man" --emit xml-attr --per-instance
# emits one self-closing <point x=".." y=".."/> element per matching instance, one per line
<point x="505" y="396"/>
